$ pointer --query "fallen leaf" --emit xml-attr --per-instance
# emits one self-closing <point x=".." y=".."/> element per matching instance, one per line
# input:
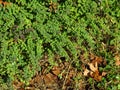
<point x="104" y="73"/>
<point x="4" y="3"/>
<point x="95" y="59"/>
<point x="56" y="70"/>
<point x="94" y="72"/>
<point x="17" y="85"/>
<point x="93" y="67"/>
<point x="86" y="71"/>
<point x="49" y="78"/>
<point x="117" y="60"/>
<point x="1" y="2"/>
<point x="95" y="75"/>
<point x="72" y="73"/>
<point x="29" y="88"/>
<point x="81" y="84"/>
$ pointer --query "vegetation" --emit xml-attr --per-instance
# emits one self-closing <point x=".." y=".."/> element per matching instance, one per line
<point x="85" y="34"/>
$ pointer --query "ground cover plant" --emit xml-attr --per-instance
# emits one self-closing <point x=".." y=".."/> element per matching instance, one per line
<point x="60" y="44"/>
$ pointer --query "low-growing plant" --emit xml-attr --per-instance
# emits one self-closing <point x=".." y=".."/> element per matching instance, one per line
<point x="68" y="28"/>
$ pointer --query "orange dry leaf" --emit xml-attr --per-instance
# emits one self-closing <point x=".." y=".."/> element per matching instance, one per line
<point x="93" y="67"/>
<point x="96" y="75"/>
<point x="86" y="72"/>
<point x="104" y="73"/>
<point x="94" y="72"/>
<point x="95" y="59"/>
<point x="1" y="2"/>
<point x="56" y="70"/>
<point x="4" y="3"/>
<point x="50" y="78"/>
<point x="117" y="60"/>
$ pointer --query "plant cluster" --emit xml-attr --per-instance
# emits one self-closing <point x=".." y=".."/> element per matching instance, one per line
<point x="68" y="28"/>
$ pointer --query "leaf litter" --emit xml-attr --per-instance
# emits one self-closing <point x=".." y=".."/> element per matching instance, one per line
<point x="117" y="60"/>
<point x="93" y="70"/>
<point x="63" y="76"/>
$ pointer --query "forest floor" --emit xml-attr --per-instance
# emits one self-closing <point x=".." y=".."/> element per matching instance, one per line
<point x="64" y="76"/>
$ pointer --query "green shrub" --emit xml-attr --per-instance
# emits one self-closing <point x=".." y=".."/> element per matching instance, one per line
<point x="28" y="29"/>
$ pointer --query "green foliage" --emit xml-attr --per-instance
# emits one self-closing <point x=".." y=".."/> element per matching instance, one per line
<point x="28" y="29"/>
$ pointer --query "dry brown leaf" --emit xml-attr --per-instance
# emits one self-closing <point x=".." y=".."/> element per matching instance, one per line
<point x="17" y="84"/>
<point x="95" y="59"/>
<point x="37" y="79"/>
<point x="94" y="72"/>
<point x="1" y="2"/>
<point x="4" y="3"/>
<point x="49" y="80"/>
<point x="81" y="84"/>
<point x="86" y="71"/>
<point x="29" y="88"/>
<point x="93" y="67"/>
<point x="104" y="73"/>
<point x="56" y="70"/>
<point x="72" y="73"/>
<point x="117" y="60"/>
<point x="99" y="60"/>
<point x="95" y="75"/>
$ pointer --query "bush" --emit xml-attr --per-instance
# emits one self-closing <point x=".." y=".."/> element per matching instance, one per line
<point x="30" y="28"/>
